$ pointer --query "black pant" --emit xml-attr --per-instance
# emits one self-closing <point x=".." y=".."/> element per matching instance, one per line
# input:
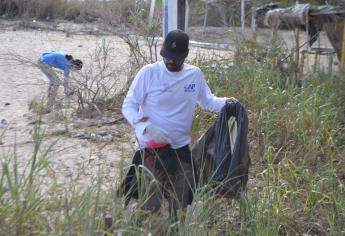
<point x="169" y="166"/>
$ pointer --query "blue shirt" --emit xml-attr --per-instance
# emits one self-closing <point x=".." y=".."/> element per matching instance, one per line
<point x="58" y="60"/>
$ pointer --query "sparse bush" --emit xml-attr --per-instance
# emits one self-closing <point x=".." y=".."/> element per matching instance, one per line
<point x="101" y="83"/>
<point x="143" y="45"/>
<point x="112" y="12"/>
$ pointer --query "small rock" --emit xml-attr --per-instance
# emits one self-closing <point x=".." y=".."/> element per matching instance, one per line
<point x="103" y="133"/>
<point x="7" y="104"/>
<point x="107" y="138"/>
<point x="93" y="136"/>
<point x="3" y="123"/>
<point x="98" y="163"/>
<point x="79" y="133"/>
<point x="68" y="174"/>
<point x="28" y="116"/>
<point x="92" y="158"/>
<point x="84" y="143"/>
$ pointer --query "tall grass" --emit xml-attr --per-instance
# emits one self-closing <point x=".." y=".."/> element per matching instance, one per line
<point x="113" y="12"/>
<point x="297" y="177"/>
<point x="297" y="148"/>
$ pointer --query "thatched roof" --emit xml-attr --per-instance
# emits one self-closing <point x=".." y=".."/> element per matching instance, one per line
<point x="295" y="16"/>
<point x="331" y="18"/>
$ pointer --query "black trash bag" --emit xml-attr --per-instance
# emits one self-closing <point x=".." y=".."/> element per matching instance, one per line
<point x="221" y="155"/>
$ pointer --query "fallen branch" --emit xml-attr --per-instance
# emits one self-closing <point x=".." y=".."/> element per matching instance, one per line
<point x="113" y="122"/>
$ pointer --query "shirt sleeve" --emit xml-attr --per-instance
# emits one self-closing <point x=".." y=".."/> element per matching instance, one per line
<point x="66" y="70"/>
<point x="206" y="99"/>
<point x="66" y="80"/>
<point x="135" y="97"/>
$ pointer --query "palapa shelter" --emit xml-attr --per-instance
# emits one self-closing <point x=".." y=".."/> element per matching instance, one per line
<point x="310" y="18"/>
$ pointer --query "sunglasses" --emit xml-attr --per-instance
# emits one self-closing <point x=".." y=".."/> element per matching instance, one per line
<point x="176" y="61"/>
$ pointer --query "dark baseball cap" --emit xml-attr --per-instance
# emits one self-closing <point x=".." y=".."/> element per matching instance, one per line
<point x="175" y="45"/>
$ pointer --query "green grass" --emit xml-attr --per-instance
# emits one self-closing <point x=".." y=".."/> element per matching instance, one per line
<point x="296" y="186"/>
<point x="36" y="105"/>
<point x="297" y="148"/>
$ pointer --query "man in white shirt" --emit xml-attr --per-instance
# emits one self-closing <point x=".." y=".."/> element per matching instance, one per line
<point x="160" y="106"/>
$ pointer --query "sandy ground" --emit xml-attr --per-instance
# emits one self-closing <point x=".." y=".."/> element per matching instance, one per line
<point x="21" y="83"/>
<point x="74" y="157"/>
<point x="71" y="157"/>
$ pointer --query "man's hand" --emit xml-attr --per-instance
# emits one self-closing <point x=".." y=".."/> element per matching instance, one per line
<point x="158" y="134"/>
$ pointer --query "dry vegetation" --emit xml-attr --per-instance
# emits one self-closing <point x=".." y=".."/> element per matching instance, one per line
<point x="296" y="134"/>
<point x="112" y="12"/>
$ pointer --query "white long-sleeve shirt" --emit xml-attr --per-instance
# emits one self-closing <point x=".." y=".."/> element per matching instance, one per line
<point x="168" y="99"/>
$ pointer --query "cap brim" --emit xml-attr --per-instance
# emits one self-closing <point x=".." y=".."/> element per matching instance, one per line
<point x="172" y="55"/>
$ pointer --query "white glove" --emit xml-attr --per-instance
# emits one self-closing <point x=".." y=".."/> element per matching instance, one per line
<point x="158" y="134"/>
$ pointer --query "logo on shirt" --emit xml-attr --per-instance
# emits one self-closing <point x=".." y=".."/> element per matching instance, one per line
<point x="189" y="88"/>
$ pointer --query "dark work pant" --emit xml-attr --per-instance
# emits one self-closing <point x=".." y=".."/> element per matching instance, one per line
<point x="167" y="173"/>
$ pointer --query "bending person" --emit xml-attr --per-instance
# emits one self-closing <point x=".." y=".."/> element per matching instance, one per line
<point x="62" y="61"/>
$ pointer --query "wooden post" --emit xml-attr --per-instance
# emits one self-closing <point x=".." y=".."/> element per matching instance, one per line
<point x="296" y="30"/>
<point x="330" y="64"/>
<point x="317" y="57"/>
<point x="315" y="62"/>
<point x="181" y="14"/>
<point x="274" y="33"/>
<point x="243" y="14"/>
<point x="254" y="26"/>
<point x="342" y="60"/>
<point x="205" y="17"/>
<point x="169" y="16"/>
<point x="319" y="54"/>
<point x="174" y="15"/>
<point x="274" y="39"/>
<point x="308" y="47"/>
<point x="301" y="66"/>
<point x="186" y="21"/>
